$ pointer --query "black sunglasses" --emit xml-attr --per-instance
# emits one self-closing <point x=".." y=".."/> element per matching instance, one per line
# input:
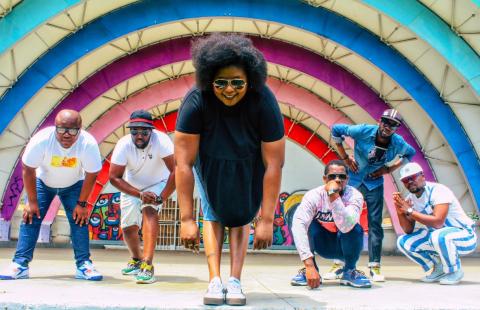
<point x="333" y="176"/>
<point x="235" y="83"/>
<point x="143" y="132"/>
<point x="63" y="130"/>
<point x="392" y="124"/>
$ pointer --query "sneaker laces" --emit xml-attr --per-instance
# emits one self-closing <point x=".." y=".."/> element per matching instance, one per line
<point x="234" y="286"/>
<point x="302" y="270"/>
<point x="133" y="263"/>
<point x="88" y="266"/>
<point x="215" y="285"/>
<point x="145" y="270"/>
<point x="358" y="274"/>
<point x="146" y="266"/>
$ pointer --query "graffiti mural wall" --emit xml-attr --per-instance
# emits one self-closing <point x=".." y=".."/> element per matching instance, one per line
<point x="282" y="235"/>
<point x="104" y="221"/>
<point x="282" y="223"/>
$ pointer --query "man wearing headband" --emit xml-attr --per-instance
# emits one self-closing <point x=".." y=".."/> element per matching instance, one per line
<point x="448" y="231"/>
<point x="327" y="222"/>
<point x="375" y="146"/>
<point x="142" y="168"/>
<point x="61" y="160"/>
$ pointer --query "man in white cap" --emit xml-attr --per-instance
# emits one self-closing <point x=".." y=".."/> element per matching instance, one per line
<point x="142" y="168"/>
<point x="448" y="231"/>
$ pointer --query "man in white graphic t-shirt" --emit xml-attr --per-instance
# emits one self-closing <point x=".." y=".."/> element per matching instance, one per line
<point x="142" y="168"/>
<point x="61" y="160"/>
<point x="448" y="231"/>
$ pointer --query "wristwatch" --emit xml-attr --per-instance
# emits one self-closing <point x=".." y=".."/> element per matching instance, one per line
<point x="409" y="211"/>
<point x="82" y="204"/>
<point x="332" y="191"/>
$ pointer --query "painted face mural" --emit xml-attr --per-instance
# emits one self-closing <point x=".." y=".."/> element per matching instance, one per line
<point x="282" y="222"/>
<point x="104" y="222"/>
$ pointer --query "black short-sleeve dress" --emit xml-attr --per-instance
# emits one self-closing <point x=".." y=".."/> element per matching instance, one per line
<point x="229" y="164"/>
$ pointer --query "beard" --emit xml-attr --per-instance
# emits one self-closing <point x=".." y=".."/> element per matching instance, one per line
<point x="142" y="145"/>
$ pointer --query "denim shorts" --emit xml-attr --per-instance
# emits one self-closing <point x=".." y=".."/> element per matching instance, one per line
<point x="207" y="210"/>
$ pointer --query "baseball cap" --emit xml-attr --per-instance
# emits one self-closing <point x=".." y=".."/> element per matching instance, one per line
<point x="393" y="115"/>
<point x="141" y="118"/>
<point x="410" y="169"/>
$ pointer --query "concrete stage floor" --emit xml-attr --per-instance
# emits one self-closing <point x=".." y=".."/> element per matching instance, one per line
<point x="182" y="279"/>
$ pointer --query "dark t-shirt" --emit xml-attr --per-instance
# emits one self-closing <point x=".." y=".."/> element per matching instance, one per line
<point x="229" y="162"/>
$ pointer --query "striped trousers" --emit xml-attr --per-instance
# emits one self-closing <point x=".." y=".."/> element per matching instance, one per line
<point x="424" y="246"/>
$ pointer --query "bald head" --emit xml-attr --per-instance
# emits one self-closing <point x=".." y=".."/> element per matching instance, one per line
<point x="68" y="118"/>
<point x="68" y="124"/>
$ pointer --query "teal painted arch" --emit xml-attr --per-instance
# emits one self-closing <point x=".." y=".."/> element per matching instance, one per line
<point x="26" y="16"/>
<point x="433" y="30"/>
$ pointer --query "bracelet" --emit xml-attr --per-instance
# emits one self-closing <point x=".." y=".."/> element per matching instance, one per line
<point x="388" y="168"/>
<point x="141" y="196"/>
<point x="345" y="158"/>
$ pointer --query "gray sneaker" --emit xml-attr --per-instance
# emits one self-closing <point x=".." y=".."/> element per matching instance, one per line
<point x="215" y="294"/>
<point x="452" y="278"/>
<point x="437" y="273"/>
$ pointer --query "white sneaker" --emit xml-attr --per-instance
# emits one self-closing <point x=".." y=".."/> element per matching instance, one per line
<point x="335" y="272"/>
<point x="14" y="271"/>
<point x="376" y="275"/>
<point x="88" y="272"/>
<point x="234" y="295"/>
<point x="215" y="294"/>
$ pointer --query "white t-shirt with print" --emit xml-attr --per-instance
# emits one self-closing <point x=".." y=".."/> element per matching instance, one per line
<point x="57" y="166"/>
<point x="144" y="167"/>
<point x="436" y="193"/>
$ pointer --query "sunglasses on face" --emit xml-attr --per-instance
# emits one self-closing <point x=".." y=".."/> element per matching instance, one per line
<point x="391" y="124"/>
<point x="235" y="83"/>
<point x="411" y="178"/>
<point x="70" y="131"/>
<point x="334" y="176"/>
<point x="143" y="132"/>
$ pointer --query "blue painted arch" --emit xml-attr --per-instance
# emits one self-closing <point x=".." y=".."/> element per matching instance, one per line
<point x="320" y="21"/>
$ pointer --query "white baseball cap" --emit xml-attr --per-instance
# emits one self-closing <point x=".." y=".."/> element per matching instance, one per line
<point x="410" y="169"/>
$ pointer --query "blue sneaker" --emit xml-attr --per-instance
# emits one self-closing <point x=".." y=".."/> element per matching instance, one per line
<point x="452" y="278"/>
<point x="14" y="271"/>
<point x="88" y="272"/>
<point x="355" y="278"/>
<point x="300" y="279"/>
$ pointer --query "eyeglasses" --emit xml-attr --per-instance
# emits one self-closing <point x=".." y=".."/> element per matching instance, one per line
<point x="411" y="178"/>
<point x="64" y="130"/>
<point x="235" y="83"/>
<point x="334" y="176"/>
<point x="391" y="124"/>
<point x="143" y="132"/>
